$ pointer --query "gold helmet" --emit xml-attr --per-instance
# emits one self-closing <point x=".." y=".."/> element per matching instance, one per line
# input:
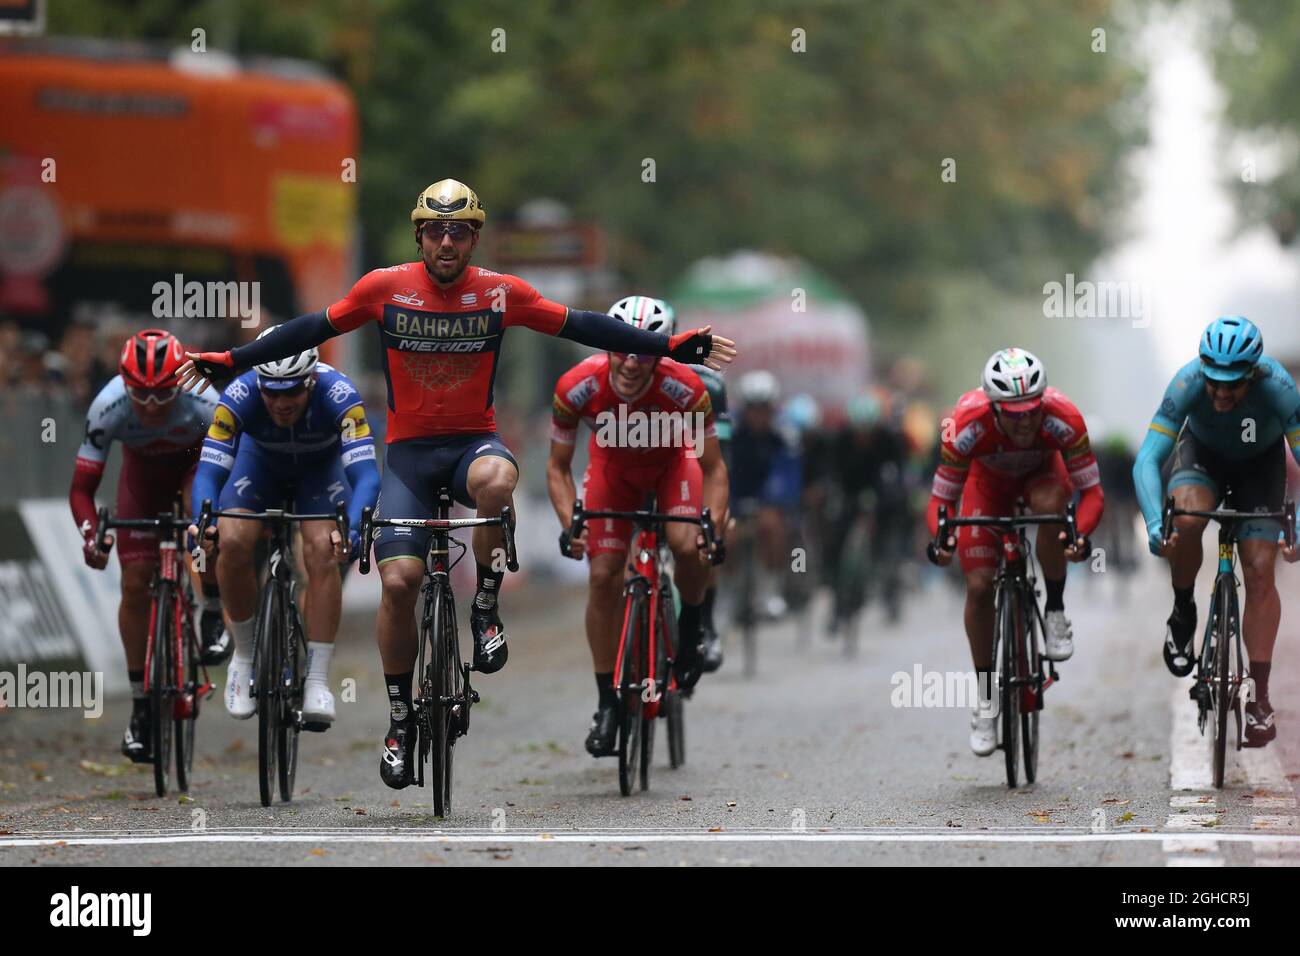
<point x="448" y="199"/>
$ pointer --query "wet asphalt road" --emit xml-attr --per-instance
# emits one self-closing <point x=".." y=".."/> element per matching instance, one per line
<point x="809" y="762"/>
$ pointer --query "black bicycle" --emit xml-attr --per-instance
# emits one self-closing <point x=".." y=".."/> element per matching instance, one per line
<point x="643" y="676"/>
<point x="1019" y="626"/>
<point x="1220" y="665"/>
<point x="445" y="696"/>
<point x="174" y="677"/>
<point x="279" y="649"/>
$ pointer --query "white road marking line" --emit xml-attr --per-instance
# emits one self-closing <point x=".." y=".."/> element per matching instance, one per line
<point x="1272" y="823"/>
<point x="295" y="835"/>
<point x="1269" y="848"/>
<point x="1182" y="800"/>
<point x="1192" y="821"/>
<point x="1264" y="770"/>
<point x="1189" y="769"/>
<point x="1192" y="844"/>
<point x="1272" y="803"/>
<point x="1274" y="861"/>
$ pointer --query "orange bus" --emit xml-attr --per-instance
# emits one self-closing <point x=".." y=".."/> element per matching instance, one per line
<point x="124" y="165"/>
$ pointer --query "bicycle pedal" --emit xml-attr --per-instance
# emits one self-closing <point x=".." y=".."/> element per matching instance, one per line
<point x="473" y="697"/>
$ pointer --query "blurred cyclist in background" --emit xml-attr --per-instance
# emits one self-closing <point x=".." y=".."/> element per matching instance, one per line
<point x="1117" y="534"/>
<point x="869" y="468"/>
<point x="765" y="480"/>
<point x="800" y="421"/>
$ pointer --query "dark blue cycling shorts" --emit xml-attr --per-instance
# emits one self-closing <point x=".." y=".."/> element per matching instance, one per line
<point x="261" y="480"/>
<point x="414" y="472"/>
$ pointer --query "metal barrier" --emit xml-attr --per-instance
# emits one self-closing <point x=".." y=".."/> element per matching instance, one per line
<point x="39" y="437"/>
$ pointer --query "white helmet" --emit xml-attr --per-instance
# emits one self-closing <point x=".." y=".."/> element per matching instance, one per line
<point x="759" y="387"/>
<point x="286" y="372"/>
<point x="643" y="312"/>
<point x="1015" y="380"/>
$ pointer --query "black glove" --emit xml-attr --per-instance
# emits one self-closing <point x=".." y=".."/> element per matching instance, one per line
<point x="691" y="347"/>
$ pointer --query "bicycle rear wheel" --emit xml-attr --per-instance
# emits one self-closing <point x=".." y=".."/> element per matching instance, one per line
<point x="187" y="702"/>
<point x="629" y="688"/>
<point x="290" y="680"/>
<point x="441" y="685"/>
<point x="161" y="679"/>
<point x="1221" y="698"/>
<point x="1009" y="693"/>
<point x="1031" y="698"/>
<point x="266" y="680"/>
<point x="672" y="708"/>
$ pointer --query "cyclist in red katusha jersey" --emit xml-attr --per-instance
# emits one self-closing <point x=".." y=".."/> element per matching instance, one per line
<point x="440" y="323"/>
<point x="1013" y="438"/>
<point x="652" y="429"/>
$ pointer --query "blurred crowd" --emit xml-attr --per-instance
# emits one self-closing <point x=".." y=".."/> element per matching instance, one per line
<point x="75" y="365"/>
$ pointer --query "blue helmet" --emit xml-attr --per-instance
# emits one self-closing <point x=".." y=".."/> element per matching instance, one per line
<point x="1230" y="348"/>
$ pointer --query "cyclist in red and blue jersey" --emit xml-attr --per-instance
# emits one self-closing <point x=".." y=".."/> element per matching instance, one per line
<point x="295" y="430"/>
<point x="441" y="323"/>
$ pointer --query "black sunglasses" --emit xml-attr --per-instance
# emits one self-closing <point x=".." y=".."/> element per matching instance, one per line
<point x="458" y="231"/>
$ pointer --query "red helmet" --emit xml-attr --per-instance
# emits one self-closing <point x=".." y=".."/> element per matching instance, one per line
<point x="151" y="359"/>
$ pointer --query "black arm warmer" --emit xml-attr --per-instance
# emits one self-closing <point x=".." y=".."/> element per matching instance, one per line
<point x="600" y="331"/>
<point x="296" y="335"/>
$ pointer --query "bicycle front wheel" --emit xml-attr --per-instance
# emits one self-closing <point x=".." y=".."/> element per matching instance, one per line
<point x="631" y="724"/>
<point x="1009" y="639"/>
<point x="1226" y="624"/>
<point x="161" y="681"/>
<point x="289" y="681"/>
<point x="187" y="701"/>
<point x="267" y="639"/>
<point x="441" y="685"/>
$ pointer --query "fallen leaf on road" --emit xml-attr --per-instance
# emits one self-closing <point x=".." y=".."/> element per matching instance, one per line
<point x="316" y="852"/>
<point x="1040" y="816"/>
<point x="684" y="798"/>
<point x="715" y="829"/>
<point x="1126" y="755"/>
<point x="1116" y="801"/>
<point x="1126" y="817"/>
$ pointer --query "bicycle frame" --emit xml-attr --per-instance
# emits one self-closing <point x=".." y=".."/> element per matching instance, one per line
<point x="1213" y="672"/>
<point x="1015" y="587"/>
<point x="449" y="706"/>
<point x="649" y="545"/>
<point x="170" y="585"/>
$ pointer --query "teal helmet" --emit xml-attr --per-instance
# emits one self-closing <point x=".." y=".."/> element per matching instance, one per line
<point x="1230" y="348"/>
<point x="864" y="410"/>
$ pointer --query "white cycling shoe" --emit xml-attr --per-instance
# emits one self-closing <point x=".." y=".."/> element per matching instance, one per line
<point x="1058" y="642"/>
<point x="317" y="703"/>
<point x="239" y="703"/>
<point x="983" y="734"/>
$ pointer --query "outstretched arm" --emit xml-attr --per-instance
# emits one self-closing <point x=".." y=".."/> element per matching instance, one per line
<point x="600" y="331"/>
<point x="296" y="335"/>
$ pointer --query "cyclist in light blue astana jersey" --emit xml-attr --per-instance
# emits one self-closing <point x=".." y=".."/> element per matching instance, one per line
<point x="1226" y="417"/>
